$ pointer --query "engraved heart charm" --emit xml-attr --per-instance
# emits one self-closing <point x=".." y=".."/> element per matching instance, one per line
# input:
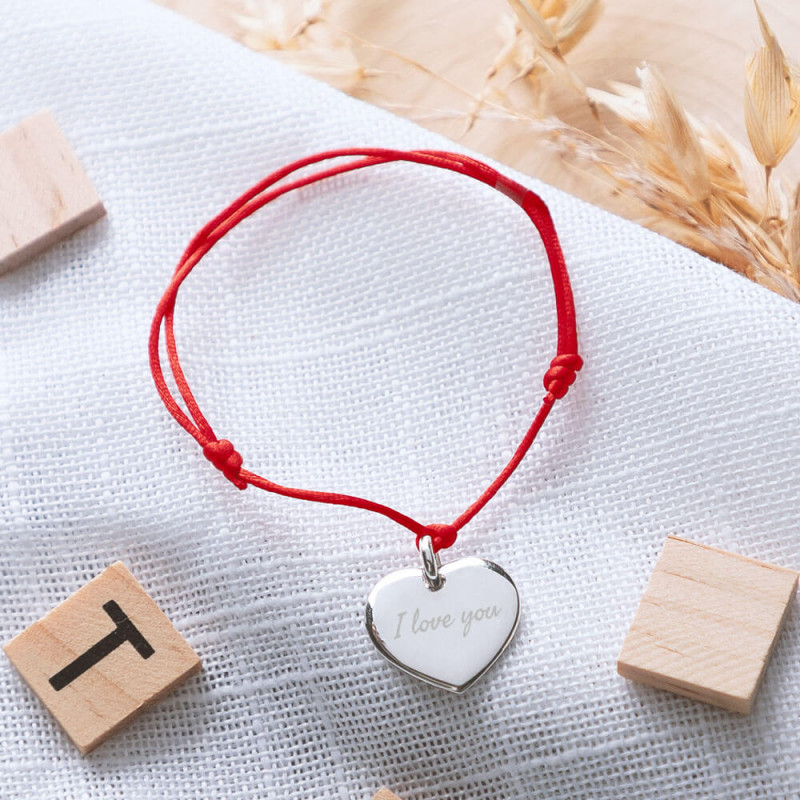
<point x="446" y="626"/>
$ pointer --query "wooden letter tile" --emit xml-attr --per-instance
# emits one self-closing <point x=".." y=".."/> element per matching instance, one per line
<point x="102" y="656"/>
<point x="44" y="193"/>
<point x="707" y="623"/>
<point x="385" y="794"/>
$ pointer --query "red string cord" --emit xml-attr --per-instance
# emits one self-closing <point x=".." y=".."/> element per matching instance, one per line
<point x="222" y="454"/>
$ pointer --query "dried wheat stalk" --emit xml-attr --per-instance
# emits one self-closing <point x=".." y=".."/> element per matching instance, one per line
<point x="698" y="185"/>
<point x="302" y="39"/>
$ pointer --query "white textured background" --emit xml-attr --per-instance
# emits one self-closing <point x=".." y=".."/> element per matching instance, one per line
<point x="384" y="334"/>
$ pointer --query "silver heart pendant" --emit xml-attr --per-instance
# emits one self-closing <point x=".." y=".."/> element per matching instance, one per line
<point x="445" y="625"/>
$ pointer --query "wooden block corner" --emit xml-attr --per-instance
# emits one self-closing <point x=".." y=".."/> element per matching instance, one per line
<point x="102" y="656"/>
<point x="385" y="794"/>
<point x="707" y="624"/>
<point x="46" y="194"/>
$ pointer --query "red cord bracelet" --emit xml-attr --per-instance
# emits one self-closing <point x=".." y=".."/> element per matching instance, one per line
<point x="222" y="453"/>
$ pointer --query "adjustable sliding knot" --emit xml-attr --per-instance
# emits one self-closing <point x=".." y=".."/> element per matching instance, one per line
<point x="561" y="374"/>
<point x="224" y="457"/>
<point x="442" y="536"/>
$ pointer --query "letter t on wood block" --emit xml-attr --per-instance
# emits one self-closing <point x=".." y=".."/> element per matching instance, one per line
<point x="707" y="623"/>
<point x="102" y="656"/>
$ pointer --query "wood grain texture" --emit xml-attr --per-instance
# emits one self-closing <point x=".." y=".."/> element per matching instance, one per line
<point x="385" y="794"/>
<point x="707" y="624"/>
<point x="700" y="48"/>
<point x="45" y="195"/>
<point x="96" y="673"/>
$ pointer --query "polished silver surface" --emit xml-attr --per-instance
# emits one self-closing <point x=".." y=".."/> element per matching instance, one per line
<point x="430" y="564"/>
<point x="449" y="637"/>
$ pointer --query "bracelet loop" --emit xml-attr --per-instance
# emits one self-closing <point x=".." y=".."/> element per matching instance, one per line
<point x="222" y="454"/>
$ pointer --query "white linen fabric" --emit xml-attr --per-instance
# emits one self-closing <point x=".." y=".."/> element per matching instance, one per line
<point x="383" y="334"/>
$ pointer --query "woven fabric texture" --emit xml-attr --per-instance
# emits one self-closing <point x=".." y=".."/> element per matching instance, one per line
<point x="383" y="334"/>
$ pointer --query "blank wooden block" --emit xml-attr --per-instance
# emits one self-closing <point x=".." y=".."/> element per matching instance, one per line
<point x="385" y="794"/>
<point x="44" y="193"/>
<point x="707" y="623"/>
<point x="102" y="656"/>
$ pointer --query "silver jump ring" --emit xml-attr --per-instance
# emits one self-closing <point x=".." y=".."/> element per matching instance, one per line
<point x="430" y="564"/>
